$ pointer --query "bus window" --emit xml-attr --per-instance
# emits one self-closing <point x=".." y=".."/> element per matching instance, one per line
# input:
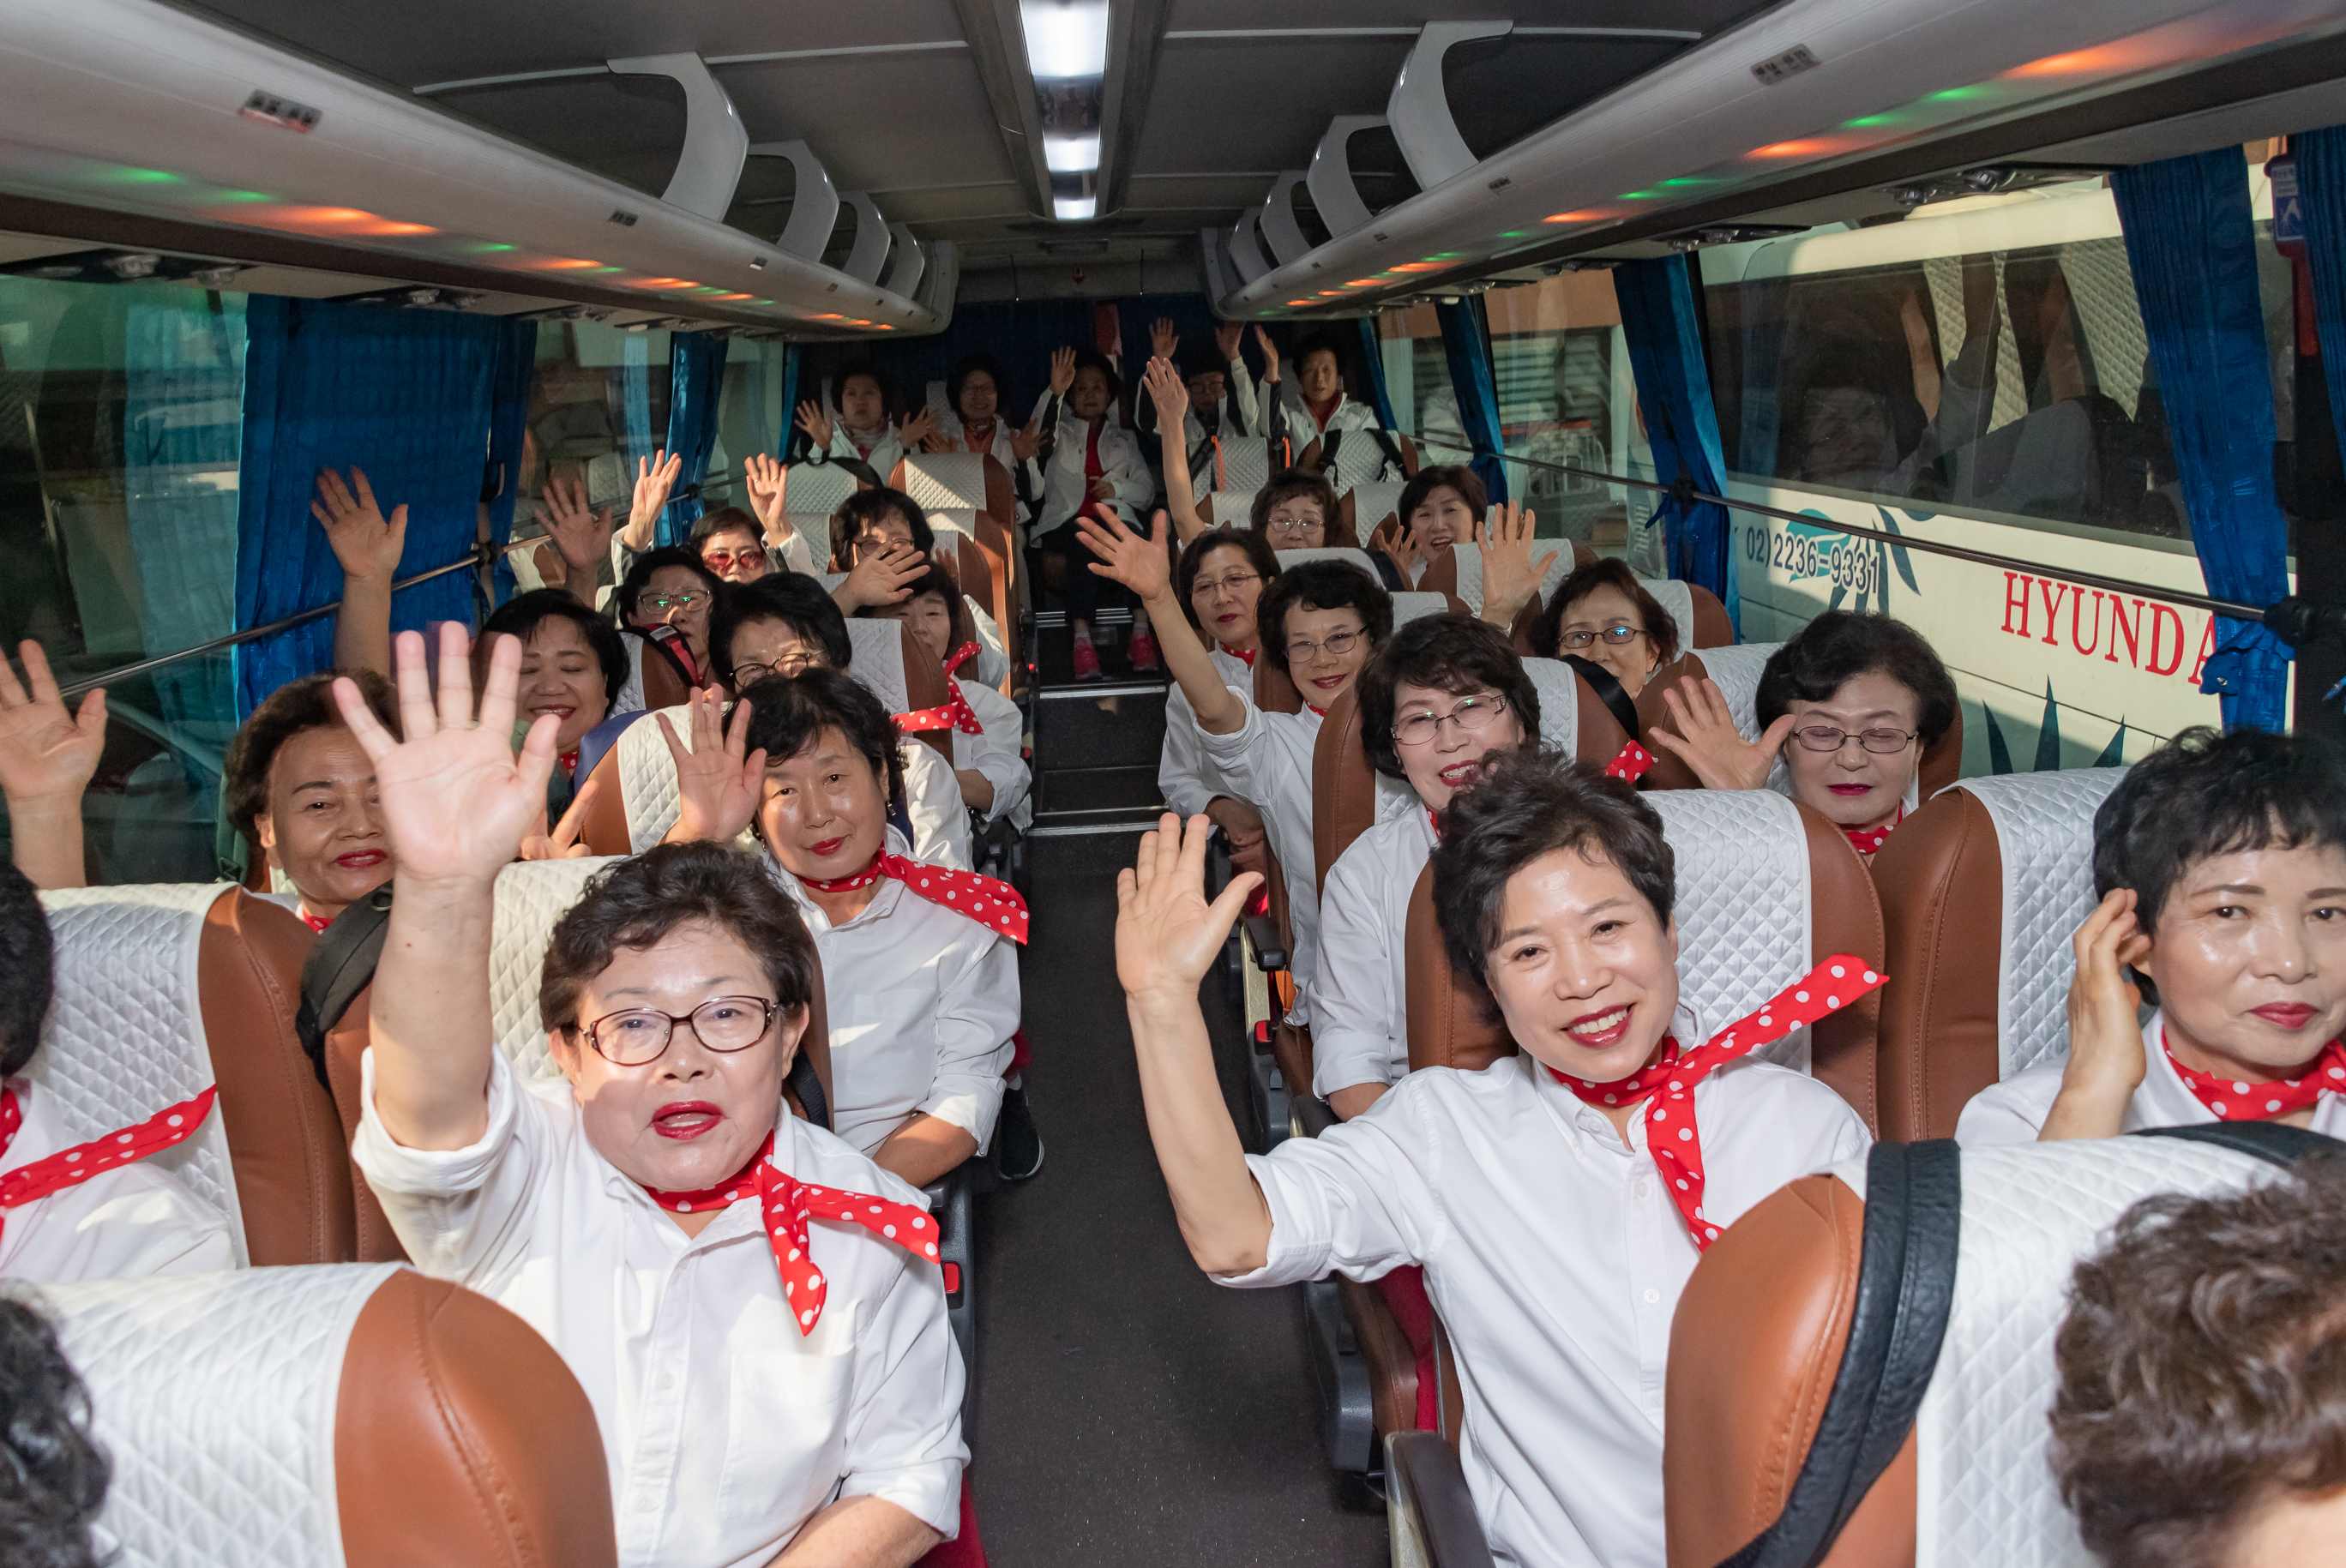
<point x="1417" y="381"/>
<point x="598" y="403"/>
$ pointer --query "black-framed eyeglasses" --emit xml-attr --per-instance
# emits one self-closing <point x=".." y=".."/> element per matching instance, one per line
<point x="1612" y="636"/>
<point x="756" y="671"/>
<point x="637" y="1037"/>
<point x="1473" y="713"/>
<point x="1881" y="742"/>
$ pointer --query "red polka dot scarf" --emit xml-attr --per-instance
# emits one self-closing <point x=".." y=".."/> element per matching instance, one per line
<point x="957" y="712"/>
<point x="1869" y="840"/>
<point x="1672" y="1136"/>
<point x="1631" y="762"/>
<point x="994" y="905"/>
<point x="70" y="1167"/>
<point x="2231" y="1100"/>
<point x="788" y="1204"/>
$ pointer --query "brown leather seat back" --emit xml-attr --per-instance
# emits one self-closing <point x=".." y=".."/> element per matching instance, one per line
<point x="1452" y="1019"/>
<point x="926" y="686"/>
<point x="1712" y="628"/>
<point x="664" y="683"/>
<point x="1343" y="784"/>
<point x="292" y="1173"/>
<point x="1755" y="1347"/>
<point x="1274" y="689"/>
<point x="1943" y="760"/>
<point x="461" y="1437"/>
<point x="1941" y="880"/>
<point x="1845" y="916"/>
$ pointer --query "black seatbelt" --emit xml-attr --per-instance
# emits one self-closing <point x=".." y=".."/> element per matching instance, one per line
<point x="802" y="1080"/>
<point x="340" y="967"/>
<point x="2276" y="1142"/>
<point x="1608" y="691"/>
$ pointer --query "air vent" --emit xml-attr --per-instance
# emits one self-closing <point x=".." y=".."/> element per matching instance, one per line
<point x="624" y="218"/>
<point x="283" y="113"/>
<point x="1784" y="67"/>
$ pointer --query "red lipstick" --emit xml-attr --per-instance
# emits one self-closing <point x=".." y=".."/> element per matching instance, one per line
<point x="685" y="1119"/>
<point x="2289" y="1015"/>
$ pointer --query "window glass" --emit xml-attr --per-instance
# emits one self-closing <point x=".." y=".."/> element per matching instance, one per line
<point x="120" y="423"/>
<point x="597" y="405"/>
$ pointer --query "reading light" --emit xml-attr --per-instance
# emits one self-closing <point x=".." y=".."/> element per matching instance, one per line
<point x="1069" y="207"/>
<point x="1065" y="38"/>
<point x="1071" y="154"/>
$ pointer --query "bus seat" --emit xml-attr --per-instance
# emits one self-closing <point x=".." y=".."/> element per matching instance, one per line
<point x="1228" y="508"/>
<point x="664" y="685"/>
<point x="894" y="668"/>
<point x="973" y="493"/>
<point x="1274" y="689"/>
<point x="817" y="489"/>
<point x="1408" y="607"/>
<point x="1958" y="1254"/>
<point x="1290" y="559"/>
<point x="1989" y="880"/>
<point x="1241" y="463"/>
<point x="355" y="1413"/>
<point x="1369" y="506"/>
<point x="164" y="989"/>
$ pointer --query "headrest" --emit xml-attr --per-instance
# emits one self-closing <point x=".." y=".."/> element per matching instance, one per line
<point x="963" y="521"/>
<point x="1743" y="905"/>
<point x="124" y="1036"/>
<point x="1230" y="508"/>
<point x="1372" y="502"/>
<point x="944" y="480"/>
<point x="816" y="488"/>
<point x="812" y="531"/>
<point x="1408" y="608"/>
<point x="648" y="777"/>
<point x="878" y="660"/>
<point x="355" y="1415"/>
<point x="532" y="896"/>
<point x="1560" y="688"/>
<point x="1736" y="670"/>
<point x="1676" y="599"/>
<point x="2045" y="833"/>
<point x="1246" y="463"/>
<point x="1290" y="559"/>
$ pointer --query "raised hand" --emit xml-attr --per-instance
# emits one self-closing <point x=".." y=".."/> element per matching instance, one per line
<point x="1168" y="392"/>
<point x="919" y="428"/>
<point x="47" y="754"/>
<point x="816" y="423"/>
<point x="581" y="537"/>
<point x="1026" y="441"/>
<point x="1062" y="371"/>
<point x="1510" y="576"/>
<point x="456" y="801"/>
<point x="1227" y="337"/>
<point x="654" y="477"/>
<point x="562" y="843"/>
<point x="883" y="577"/>
<point x="1162" y="338"/>
<point x="367" y="546"/>
<point x="1124" y="555"/>
<point x="1400" y="545"/>
<point x="763" y="478"/>
<point x="2106" y="1061"/>
<point x="1708" y="742"/>
<point x="1166" y="934"/>
<point x="718" y="786"/>
<point x="1269" y="354"/>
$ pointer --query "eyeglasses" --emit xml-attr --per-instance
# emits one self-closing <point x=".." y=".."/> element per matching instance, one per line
<point x="1335" y="646"/>
<point x="1288" y="523"/>
<point x="1613" y="637"/>
<point x="1473" y="713"/>
<point x="663" y="603"/>
<point x="756" y="671"/>
<point x="1883" y="742"/>
<point x="725" y="560"/>
<point x="637" y="1038"/>
<point x="1209" y="587"/>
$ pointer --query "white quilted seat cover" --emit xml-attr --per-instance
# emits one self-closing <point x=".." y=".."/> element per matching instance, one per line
<point x="1743" y="909"/>
<point x="962" y="521"/>
<point x="1359" y="461"/>
<point x="816" y="487"/>
<point x="1290" y="559"/>
<point x="946" y="481"/>
<point x="1373" y="502"/>
<point x="2045" y="832"/>
<point x="1231" y="508"/>
<point x="812" y="529"/>
<point x="830" y="581"/>
<point x="1559" y="695"/>
<point x="1737" y="670"/>
<point x="648" y="777"/>
<point x="1984" y="1493"/>
<point x="215" y="1394"/>
<point x="1408" y="608"/>
<point x="124" y="1036"/>
<point x="532" y="895"/>
<point x="1246" y="465"/>
<point x="878" y="660"/>
<point x="1676" y="600"/>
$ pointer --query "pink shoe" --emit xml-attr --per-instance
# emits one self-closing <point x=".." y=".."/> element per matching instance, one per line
<point x="1141" y="649"/>
<point x="1086" y="660"/>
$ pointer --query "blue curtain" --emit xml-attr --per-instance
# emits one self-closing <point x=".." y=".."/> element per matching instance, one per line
<point x="781" y="437"/>
<point x="516" y="368"/>
<point x="697" y="380"/>
<point x="407" y="395"/>
<point x="1372" y="359"/>
<point x="2321" y="188"/>
<point x="1666" y="353"/>
<point x="1477" y="393"/>
<point x="2192" y="249"/>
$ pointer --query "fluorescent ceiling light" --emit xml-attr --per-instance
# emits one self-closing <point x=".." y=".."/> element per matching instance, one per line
<point x="1064" y="38"/>
<point x="1075" y="205"/>
<point x="1071" y="154"/>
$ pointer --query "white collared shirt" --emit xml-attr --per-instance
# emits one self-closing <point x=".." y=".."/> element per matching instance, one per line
<point x="1185" y="777"/>
<point x="1360" y="993"/>
<point x="2014" y="1111"/>
<point x="135" y="1220"/>
<point x="724" y="1429"/>
<point x="1064" y="487"/>
<point x="923" y="1001"/>
<point x="933" y="802"/>
<point x="1267" y="763"/>
<point x="998" y="753"/>
<point x="1555" y="1257"/>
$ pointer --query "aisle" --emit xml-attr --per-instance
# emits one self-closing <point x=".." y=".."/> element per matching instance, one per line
<point x="1129" y="1412"/>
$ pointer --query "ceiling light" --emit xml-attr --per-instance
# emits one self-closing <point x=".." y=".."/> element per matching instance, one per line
<point x="1071" y="154"/>
<point x="1069" y="207"/>
<point x="1064" y="38"/>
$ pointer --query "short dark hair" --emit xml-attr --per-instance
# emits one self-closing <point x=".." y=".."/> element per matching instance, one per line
<point x="720" y="520"/>
<point x="793" y="598"/>
<point x="1529" y="803"/>
<point x="1252" y="545"/>
<point x="639" y="577"/>
<point x="2205" y="794"/>
<point x="1320" y="585"/>
<point x="638" y="900"/>
<point x="872" y="507"/>
<point x="1660" y="628"/>
<point x="2202" y="1369"/>
<point x="1319" y="343"/>
<point x="1456" y="654"/>
<point x="29" y="971"/>
<point x="1093" y="359"/>
<point x="1837" y="648"/>
<point x="55" y="1473"/>
<point x="1289" y="484"/>
<point x="305" y="703"/>
<point x="521" y="616"/>
<point x="1454" y="477"/>
<point x="788" y="713"/>
<point x="938" y="581"/>
<point x="879" y="378"/>
<point x="969" y="365"/>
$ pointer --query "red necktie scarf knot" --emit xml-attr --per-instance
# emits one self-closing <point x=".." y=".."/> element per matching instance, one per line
<point x="1244" y="655"/>
<point x="2231" y="1100"/>
<point x="1869" y="840"/>
<point x="1316" y="710"/>
<point x="70" y="1167"/>
<point x="955" y="712"/>
<point x="996" y="905"/>
<point x="1672" y="1136"/>
<point x="1631" y="762"/>
<point x="569" y="760"/>
<point x="315" y="922"/>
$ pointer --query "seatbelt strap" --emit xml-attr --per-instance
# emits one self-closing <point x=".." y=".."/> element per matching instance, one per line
<point x="802" y="1080"/>
<point x="1608" y="691"/>
<point x="340" y="966"/>
<point x="2275" y="1143"/>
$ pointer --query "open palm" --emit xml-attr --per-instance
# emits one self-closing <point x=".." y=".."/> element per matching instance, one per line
<point x="456" y="801"/>
<point x="1510" y="576"/>
<point x="1138" y="562"/>
<point x="718" y="786"/>
<point x="1166" y="934"/>
<point x="46" y="752"/>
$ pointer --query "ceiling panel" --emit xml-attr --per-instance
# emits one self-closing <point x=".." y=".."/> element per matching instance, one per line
<point x="877" y="120"/>
<point x="1700" y="15"/>
<point x="1221" y="105"/>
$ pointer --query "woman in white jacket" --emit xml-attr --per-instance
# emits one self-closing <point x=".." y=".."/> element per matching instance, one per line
<point x="864" y="429"/>
<point x="1094" y="466"/>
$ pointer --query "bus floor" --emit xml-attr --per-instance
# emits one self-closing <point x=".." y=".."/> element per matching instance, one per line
<point x="1128" y="1409"/>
